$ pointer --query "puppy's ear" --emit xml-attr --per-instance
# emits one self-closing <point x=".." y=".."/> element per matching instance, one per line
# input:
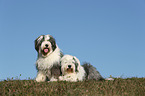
<point x="62" y="68"/>
<point x="77" y="63"/>
<point x="38" y="41"/>
<point x="60" y="62"/>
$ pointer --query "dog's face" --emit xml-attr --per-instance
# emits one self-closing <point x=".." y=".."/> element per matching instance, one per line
<point x="69" y="64"/>
<point x="45" y="45"/>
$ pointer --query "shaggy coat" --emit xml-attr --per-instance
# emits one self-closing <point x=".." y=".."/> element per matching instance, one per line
<point x="72" y="70"/>
<point x="48" y="60"/>
<point x="91" y="72"/>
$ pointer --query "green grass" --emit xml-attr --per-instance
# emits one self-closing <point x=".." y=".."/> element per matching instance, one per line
<point x="118" y="87"/>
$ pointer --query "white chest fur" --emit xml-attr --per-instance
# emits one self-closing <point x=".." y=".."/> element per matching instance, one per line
<point x="47" y="62"/>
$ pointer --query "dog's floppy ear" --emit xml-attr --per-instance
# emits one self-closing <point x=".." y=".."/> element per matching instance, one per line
<point x="77" y="63"/>
<point x="38" y="41"/>
<point x="53" y="43"/>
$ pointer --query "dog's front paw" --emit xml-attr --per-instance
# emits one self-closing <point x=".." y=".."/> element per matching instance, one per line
<point x="53" y="79"/>
<point x="60" y="78"/>
<point x="40" y="77"/>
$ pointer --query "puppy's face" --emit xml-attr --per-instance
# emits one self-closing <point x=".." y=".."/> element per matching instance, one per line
<point x="69" y="64"/>
<point x="45" y="45"/>
<point x="68" y="67"/>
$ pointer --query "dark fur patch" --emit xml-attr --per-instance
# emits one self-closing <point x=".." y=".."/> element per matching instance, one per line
<point x="53" y="43"/>
<point x="76" y="65"/>
<point x="91" y="72"/>
<point x="56" y="70"/>
<point x="61" y="54"/>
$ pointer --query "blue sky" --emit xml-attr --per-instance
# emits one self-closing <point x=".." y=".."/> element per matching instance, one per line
<point x="110" y="34"/>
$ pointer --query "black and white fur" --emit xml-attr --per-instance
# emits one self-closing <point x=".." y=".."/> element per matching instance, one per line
<point x="48" y="60"/>
<point x="91" y="72"/>
<point x="72" y="70"/>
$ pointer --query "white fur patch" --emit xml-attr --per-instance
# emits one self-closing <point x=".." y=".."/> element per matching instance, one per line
<point x="69" y="77"/>
<point x="47" y="37"/>
<point x="39" y="39"/>
<point x="44" y="63"/>
<point x="41" y="77"/>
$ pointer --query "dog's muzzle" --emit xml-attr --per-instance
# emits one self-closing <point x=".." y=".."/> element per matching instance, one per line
<point x="69" y="69"/>
<point x="45" y="50"/>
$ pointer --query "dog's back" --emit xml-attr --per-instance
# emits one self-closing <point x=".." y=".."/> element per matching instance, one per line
<point x="91" y="72"/>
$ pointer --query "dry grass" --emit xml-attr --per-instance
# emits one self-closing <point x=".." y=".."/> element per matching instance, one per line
<point x="118" y="87"/>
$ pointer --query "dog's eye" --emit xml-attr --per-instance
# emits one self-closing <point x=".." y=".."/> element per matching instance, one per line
<point x="73" y="61"/>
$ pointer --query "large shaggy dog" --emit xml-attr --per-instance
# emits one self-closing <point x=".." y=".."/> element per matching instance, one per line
<point x="48" y="61"/>
<point x="73" y="71"/>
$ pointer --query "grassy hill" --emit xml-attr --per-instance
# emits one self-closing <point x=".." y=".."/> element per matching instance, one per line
<point x="118" y="87"/>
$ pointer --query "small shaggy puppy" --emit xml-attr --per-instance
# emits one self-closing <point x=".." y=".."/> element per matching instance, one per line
<point x="73" y="71"/>
<point x="48" y="61"/>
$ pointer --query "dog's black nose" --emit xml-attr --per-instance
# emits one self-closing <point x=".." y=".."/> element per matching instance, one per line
<point x="46" y="45"/>
<point x="69" y="66"/>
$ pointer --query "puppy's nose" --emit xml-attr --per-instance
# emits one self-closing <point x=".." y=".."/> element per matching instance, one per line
<point x="46" y="45"/>
<point x="69" y="66"/>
